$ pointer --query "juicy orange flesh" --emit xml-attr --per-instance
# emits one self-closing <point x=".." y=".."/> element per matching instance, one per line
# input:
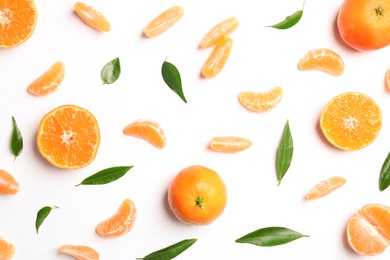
<point x="92" y="17"/>
<point x="7" y="250"/>
<point x="324" y="60"/>
<point x="164" y="21"/>
<point x="379" y="216"/>
<point x="120" y="223"/>
<point x="69" y="138"/>
<point x="261" y="101"/>
<point x="387" y="79"/>
<point x="17" y="22"/>
<point x="49" y="81"/>
<point x="147" y="130"/>
<point x="218" y="58"/>
<point x="229" y="144"/>
<point x="8" y="184"/>
<point x="325" y="187"/>
<point x="219" y="31"/>
<point x="79" y="252"/>
<point x="351" y="121"/>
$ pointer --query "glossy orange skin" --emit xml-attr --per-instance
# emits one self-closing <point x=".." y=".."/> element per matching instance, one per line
<point x="196" y="183"/>
<point x="365" y="24"/>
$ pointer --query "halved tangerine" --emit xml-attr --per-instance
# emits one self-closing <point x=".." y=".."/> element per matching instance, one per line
<point x="322" y="59"/>
<point x="261" y="101"/>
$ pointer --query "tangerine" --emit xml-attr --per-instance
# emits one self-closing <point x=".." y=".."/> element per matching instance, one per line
<point x="7" y="250"/>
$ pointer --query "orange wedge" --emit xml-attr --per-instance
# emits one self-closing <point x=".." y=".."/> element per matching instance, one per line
<point x="387" y="79"/>
<point x="7" y="250"/>
<point x="49" y="81"/>
<point x="218" y="58"/>
<point x="325" y="187"/>
<point x="229" y="144"/>
<point x="92" y="17"/>
<point x="261" y="101"/>
<point x="120" y="223"/>
<point x="219" y="31"/>
<point x="323" y="60"/>
<point x="164" y="21"/>
<point x="79" y="252"/>
<point x="8" y="184"/>
<point x="147" y="130"/>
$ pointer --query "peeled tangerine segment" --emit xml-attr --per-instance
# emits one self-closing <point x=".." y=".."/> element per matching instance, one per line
<point x="92" y="17"/>
<point x="7" y="250"/>
<point x="49" y="81"/>
<point x="80" y="252"/>
<point x="8" y="184"/>
<point x="229" y="144"/>
<point x="219" y="31"/>
<point x="322" y="59"/>
<point x="164" y="21"/>
<point x="325" y="187"/>
<point x="147" y="130"/>
<point x="261" y="101"/>
<point x="218" y="58"/>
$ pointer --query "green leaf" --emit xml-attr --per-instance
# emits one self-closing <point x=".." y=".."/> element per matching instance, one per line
<point x="384" y="177"/>
<point x="111" y="71"/>
<point x="285" y="153"/>
<point x="16" y="140"/>
<point x="42" y="215"/>
<point x="270" y="236"/>
<point x="172" y="78"/>
<point x="170" y="252"/>
<point x="290" y="20"/>
<point x="106" y="176"/>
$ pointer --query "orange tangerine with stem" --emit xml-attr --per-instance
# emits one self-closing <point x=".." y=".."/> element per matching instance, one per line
<point x="49" y="81"/>
<point x="80" y="252"/>
<point x="324" y="60"/>
<point x="229" y="144"/>
<point x="147" y="130"/>
<point x="8" y="184"/>
<point x="261" y="101"/>
<point x="164" y="21"/>
<point x="92" y="17"/>
<point x="325" y="187"/>
<point x="7" y="250"/>
<point x="219" y="31"/>
<point x="218" y="58"/>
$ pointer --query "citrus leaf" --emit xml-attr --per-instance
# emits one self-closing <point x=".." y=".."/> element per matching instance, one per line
<point x="16" y="140"/>
<point x="270" y="236"/>
<point x="284" y="153"/>
<point x="170" y="252"/>
<point x="111" y="71"/>
<point x="106" y="176"/>
<point x="42" y="215"/>
<point x="384" y="177"/>
<point x="172" y="78"/>
<point x="289" y="21"/>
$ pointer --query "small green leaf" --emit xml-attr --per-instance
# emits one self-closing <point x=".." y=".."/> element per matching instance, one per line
<point x="172" y="78"/>
<point x="384" y="177"/>
<point x="42" y="215"/>
<point x="285" y="153"/>
<point x="290" y="20"/>
<point x="270" y="236"/>
<point x="106" y="176"/>
<point x="111" y="71"/>
<point x="170" y="252"/>
<point x="16" y="140"/>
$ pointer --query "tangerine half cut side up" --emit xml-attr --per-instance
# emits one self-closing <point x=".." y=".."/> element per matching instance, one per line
<point x="68" y="137"/>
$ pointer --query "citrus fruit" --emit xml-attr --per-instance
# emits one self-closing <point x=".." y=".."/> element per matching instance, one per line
<point x="92" y="17"/>
<point x="68" y="137"/>
<point x="79" y="252"/>
<point x="387" y="79"/>
<point x="8" y="184"/>
<point x="218" y="58"/>
<point x="147" y="130"/>
<point x="49" y="81"/>
<point x="18" y="19"/>
<point x="325" y="187"/>
<point x="120" y="223"/>
<point x="229" y="144"/>
<point x="322" y="59"/>
<point x="364" y="25"/>
<point x="351" y="121"/>
<point x="368" y="230"/>
<point x="219" y="31"/>
<point x="7" y="250"/>
<point x="261" y="101"/>
<point x="164" y="21"/>
<point x="197" y="195"/>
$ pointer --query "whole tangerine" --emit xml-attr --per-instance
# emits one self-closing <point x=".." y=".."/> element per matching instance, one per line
<point x="364" y="25"/>
<point x="197" y="195"/>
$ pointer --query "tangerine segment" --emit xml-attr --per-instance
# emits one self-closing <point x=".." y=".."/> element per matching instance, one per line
<point x="221" y="30"/>
<point x="261" y="101"/>
<point x="229" y="144"/>
<point x="7" y="250"/>
<point x="365" y="230"/>
<point x="120" y="223"/>
<point x="387" y="79"/>
<point x="148" y="130"/>
<point x="68" y="137"/>
<point x="164" y="21"/>
<point x="92" y="17"/>
<point x="323" y="60"/>
<point x="218" y="58"/>
<point x="49" y="81"/>
<point x="325" y="187"/>
<point x="18" y="19"/>
<point x="80" y="252"/>
<point x="351" y="121"/>
<point x="8" y="184"/>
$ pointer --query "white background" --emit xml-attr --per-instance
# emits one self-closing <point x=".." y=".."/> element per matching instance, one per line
<point x="261" y="58"/>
